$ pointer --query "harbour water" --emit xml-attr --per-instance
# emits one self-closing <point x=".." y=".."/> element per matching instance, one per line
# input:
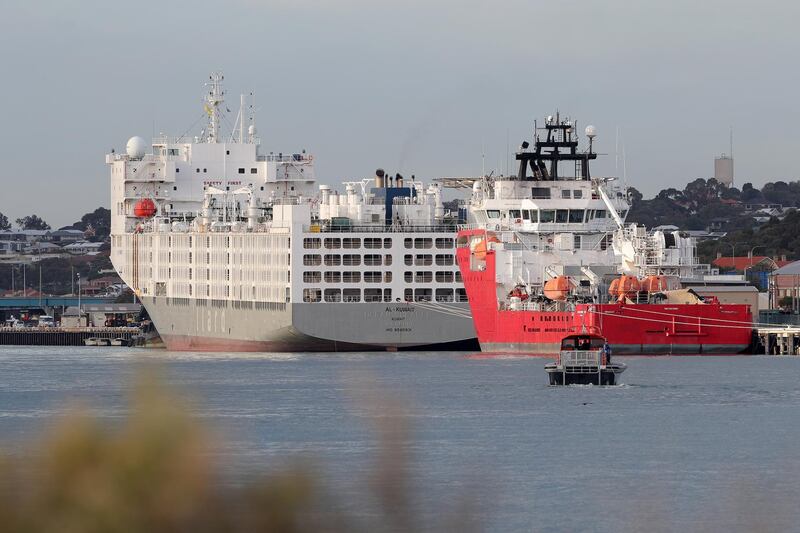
<point x="685" y="444"/>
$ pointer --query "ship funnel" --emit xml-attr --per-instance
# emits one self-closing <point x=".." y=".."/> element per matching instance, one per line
<point x="379" y="175"/>
<point x="398" y="180"/>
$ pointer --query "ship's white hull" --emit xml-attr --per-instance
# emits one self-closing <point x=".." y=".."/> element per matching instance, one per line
<point x="199" y="325"/>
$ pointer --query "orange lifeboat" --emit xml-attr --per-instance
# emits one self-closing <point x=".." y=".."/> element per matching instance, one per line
<point x="625" y="286"/>
<point x="479" y="249"/>
<point x="654" y="284"/>
<point x="557" y="289"/>
<point x="144" y="208"/>
<point x="612" y="289"/>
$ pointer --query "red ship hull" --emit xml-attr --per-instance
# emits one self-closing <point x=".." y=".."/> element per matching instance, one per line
<point x="645" y="329"/>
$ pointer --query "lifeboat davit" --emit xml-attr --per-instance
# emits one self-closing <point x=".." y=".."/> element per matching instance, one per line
<point x="557" y="289"/>
<point x="144" y="208"/>
<point x="654" y="284"/>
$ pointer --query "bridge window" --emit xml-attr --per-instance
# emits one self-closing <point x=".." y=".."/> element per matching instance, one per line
<point x="562" y="216"/>
<point x="540" y="193"/>
<point x="575" y="216"/>
<point x="493" y="213"/>
<point x="566" y="193"/>
<point x="547" y="216"/>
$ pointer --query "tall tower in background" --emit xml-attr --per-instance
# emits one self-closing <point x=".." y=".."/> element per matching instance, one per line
<point x="723" y="166"/>
<point x="723" y="169"/>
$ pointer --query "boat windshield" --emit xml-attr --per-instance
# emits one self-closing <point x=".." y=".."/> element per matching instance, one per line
<point x="582" y="342"/>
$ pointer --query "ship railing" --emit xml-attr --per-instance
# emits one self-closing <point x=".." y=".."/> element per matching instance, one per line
<point x="582" y="358"/>
<point x="287" y="158"/>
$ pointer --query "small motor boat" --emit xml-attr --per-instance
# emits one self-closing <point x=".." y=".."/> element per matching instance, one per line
<point x="583" y="360"/>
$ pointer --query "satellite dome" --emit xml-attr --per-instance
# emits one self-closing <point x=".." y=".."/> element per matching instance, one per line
<point x="591" y="132"/>
<point x="136" y="147"/>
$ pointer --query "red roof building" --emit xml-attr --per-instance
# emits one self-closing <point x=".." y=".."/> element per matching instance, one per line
<point x="740" y="263"/>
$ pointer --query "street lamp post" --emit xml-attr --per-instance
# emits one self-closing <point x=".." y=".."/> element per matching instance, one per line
<point x="733" y="253"/>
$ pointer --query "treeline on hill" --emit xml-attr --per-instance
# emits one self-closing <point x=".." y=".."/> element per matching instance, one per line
<point x="703" y="204"/>
<point x="96" y="225"/>
<point x="58" y="275"/>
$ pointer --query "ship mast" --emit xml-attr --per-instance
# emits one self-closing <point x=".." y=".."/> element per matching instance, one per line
<point x="211" y="104"/>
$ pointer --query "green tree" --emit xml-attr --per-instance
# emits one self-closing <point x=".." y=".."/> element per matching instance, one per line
<point x="4" y="223"/>
<point x="32" y="222"/>
<point x="97" y="224"/>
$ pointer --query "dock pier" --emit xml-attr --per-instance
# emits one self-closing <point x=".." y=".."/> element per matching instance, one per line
<point x="780" y="340"/>
<point x="61" y="336"/>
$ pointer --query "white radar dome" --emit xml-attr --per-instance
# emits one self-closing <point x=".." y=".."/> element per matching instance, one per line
<point x="136" y="147"/>
<point x="591" y="132"/>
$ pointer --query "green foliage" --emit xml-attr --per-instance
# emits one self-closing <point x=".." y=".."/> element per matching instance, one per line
<point x="97" y="224"/>
<point x="32" y="222"/>
<point x="4" y="223"/>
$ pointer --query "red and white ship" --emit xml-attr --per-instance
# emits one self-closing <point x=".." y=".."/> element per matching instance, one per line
<point x="550" y="254"/>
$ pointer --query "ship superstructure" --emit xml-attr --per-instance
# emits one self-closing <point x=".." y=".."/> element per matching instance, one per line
<point x="550" y="253"/>
<point x="232" y="249"/>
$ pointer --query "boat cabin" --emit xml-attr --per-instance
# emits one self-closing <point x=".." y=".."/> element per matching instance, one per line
<point x="582" y="342"/>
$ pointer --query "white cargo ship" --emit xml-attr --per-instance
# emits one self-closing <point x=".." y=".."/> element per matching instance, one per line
<point x="230" y="249"/>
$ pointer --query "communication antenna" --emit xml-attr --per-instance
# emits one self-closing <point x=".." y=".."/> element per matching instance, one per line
<point x="731" y="142"/>
<point x="211" y="105"/>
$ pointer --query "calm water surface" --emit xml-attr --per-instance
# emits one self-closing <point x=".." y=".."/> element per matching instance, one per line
<point x="685" y="444"/>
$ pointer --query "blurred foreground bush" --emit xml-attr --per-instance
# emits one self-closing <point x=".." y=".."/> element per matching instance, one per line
<point x="154" y="473"/>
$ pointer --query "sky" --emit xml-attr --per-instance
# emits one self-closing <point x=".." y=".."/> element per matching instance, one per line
<point x="431" y="88"/>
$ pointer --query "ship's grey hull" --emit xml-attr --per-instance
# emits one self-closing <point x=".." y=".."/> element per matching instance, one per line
<point x="186" y="325"/>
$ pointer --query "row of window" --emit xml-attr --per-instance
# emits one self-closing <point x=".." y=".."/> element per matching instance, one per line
<point x="346" y="259"/>
<point x="442" y="243"/>
<point x="427" y="260"/>
<point x="378" y="277"/>
<point x="427" y="277"/>
<point x="347" y="277"/>
<point x="383" y="295"/>
<point x="335" y="243"/>
<point x="550" y="216"/>
<point x="543" y="193"/>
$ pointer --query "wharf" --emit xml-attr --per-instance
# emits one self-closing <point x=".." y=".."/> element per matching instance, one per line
<point x="61" y="336"/>
<point x="780" y="340"/>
